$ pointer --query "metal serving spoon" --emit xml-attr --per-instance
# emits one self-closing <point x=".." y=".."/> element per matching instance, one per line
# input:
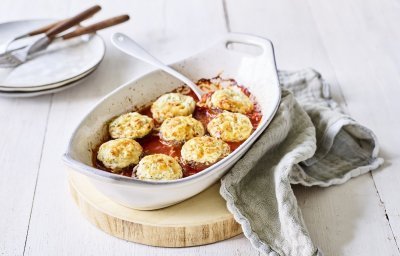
<point x="130" y="47"/>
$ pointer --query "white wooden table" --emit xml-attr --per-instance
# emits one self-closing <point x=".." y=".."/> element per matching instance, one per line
<point x="355" y="44"/>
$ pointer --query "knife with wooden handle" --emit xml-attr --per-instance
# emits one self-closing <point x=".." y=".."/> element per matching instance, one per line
<point x="87" y="14"/>
<point x="43" y="29"/>
<point x="16" y="57"/>
<point x="68" y="23"/>
<point x="97" y="26"/>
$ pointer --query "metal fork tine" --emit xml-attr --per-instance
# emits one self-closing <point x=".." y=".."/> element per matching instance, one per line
<point x="9" y="61"/>
<point x="17" y="57"/>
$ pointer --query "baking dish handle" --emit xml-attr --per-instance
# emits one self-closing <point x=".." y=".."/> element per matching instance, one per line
<point x="260" y="42"/>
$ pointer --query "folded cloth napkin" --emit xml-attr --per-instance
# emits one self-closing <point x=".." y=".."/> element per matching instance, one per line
<point x="309" y="142"/>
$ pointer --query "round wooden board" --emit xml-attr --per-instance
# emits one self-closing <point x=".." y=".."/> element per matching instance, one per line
<point x="202" y="219"/>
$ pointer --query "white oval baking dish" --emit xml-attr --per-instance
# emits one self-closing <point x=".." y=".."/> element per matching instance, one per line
<point x="257" y="72"/>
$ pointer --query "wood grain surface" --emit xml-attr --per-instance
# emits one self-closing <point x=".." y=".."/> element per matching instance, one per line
<point x="203" y="219"/>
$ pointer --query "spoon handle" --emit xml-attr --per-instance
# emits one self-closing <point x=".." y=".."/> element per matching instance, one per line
<point x="130" y="47"/>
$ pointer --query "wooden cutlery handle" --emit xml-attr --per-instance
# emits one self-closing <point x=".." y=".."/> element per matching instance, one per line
<point x="97" y="26"/>
<point x="44" y="29"/>
<point x="68" y="23"/>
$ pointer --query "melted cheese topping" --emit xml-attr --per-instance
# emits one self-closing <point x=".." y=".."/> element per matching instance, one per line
<point x="120" y="153"/>
<point x="232" y="99"/>
<point x="171" y="105"/>
<point x="180" y="129"/>
<point x="159" y="167"/>
<point x="204" y="150"/>
<point x="131" y="125"/>
<point x="230" y="127"/>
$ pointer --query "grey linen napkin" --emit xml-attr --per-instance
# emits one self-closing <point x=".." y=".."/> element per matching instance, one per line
<point x="309" y="142"/>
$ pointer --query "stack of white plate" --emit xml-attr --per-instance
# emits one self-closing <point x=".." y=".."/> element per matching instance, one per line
<point x="63" y="64"/>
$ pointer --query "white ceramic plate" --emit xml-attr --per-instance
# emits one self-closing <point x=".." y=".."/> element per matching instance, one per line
<point x="16" y="94"/>
<point x="256" y="72"/>
<point x="62" y="63"/>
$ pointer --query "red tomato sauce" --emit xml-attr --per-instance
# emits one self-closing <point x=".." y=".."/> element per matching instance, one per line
<point x="152" y="144"/>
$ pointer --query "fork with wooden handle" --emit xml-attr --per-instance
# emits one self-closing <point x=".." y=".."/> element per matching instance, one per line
<point x="96" y="27"/>
<point x="87" y="14"/>
<point x="77" y="32"/>
<point x="4" y="46"/>
<point x="17" y="57"/>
